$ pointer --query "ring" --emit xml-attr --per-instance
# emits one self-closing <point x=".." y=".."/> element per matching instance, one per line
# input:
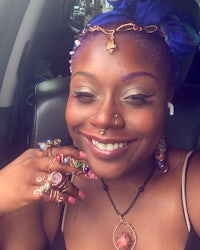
<point x="46" y="146"/>
<point x="51" y="163"/>
<point x="43" y="189"/>
<point x="55" y="178"/>
<point x="59" y="181"/>
<point x="81" y="165"/>
<point x="40" y="179"/>
<point x="54" y="196"/>
<point x="73" y="163"/>
<point x="63" y="159"/>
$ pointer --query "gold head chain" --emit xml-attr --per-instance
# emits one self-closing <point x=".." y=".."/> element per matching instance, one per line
<point x="111" y="45"/>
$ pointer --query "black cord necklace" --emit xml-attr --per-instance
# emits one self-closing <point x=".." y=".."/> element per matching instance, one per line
<point x="123" y="240"/>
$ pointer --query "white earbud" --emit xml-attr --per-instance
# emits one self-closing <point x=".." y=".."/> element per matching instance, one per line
<point x="171" y="108"/>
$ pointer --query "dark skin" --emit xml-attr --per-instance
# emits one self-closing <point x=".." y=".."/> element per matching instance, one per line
<point x="106" y="86"/>
<point x="24" y="182"/>
<point x="18" y="200"/>
<point x="102" y="89"/>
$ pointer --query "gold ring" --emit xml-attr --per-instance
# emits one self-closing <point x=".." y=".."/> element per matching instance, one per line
<point x="40" y="179"/>
<point x="46" y="146"/>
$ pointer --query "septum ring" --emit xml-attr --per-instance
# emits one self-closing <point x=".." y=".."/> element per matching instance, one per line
<point x="102" y="131"/>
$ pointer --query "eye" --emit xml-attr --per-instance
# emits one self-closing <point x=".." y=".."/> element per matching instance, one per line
<point x="84" y="96"/>
<point x="138" y="99"/>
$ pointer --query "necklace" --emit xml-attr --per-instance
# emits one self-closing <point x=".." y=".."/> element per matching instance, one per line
<point x="124" y="235"/>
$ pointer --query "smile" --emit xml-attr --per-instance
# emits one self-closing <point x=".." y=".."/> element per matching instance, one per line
<point x="109" y="146"/>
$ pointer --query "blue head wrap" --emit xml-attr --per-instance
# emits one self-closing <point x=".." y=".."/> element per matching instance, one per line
<point x="179" y="30"/>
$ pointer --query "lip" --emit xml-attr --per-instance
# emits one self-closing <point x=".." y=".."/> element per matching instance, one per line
<point x="105" y="154"/>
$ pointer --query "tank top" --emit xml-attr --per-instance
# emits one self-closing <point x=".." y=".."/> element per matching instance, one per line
<point x="193" y="241"/>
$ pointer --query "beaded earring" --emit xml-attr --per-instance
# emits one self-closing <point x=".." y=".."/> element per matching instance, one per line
<point x="160" y="156"/>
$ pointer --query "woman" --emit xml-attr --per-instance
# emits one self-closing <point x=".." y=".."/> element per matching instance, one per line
<point x="125" y="67"/>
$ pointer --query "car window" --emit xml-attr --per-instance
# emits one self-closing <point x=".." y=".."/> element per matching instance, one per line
<point x="8" y="31"/>
<point x="84" y="10"/>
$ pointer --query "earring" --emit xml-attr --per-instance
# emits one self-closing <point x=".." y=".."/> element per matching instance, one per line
<point x="171" y="108"/>
<point x="160" y="156"/>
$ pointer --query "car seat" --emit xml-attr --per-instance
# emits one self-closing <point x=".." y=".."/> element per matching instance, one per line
<point x="182" y="130"/>
<point x="49" y="114"/>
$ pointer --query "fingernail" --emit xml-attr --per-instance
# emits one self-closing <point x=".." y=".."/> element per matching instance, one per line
<point x="71" y="200"/>
<point x="81" y="194"/>
<point x="82" y="154"/>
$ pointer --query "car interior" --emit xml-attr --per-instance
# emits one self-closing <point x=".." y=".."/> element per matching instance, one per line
<point x="34" y="74"/>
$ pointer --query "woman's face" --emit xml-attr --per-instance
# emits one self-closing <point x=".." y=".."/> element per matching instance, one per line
<point x="126" y="83"/>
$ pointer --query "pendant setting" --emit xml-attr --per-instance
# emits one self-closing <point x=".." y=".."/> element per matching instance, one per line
<point x="124" y="235"/>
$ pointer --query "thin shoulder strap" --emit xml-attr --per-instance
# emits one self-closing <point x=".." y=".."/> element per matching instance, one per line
<point x="183" y="189"/>
<point x="63" y="218"/>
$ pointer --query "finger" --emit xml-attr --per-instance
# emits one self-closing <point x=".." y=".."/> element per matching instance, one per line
<point x="52" y="147"/>
<point x="40" y="178"/>
<point x="69" y="151"/>
<point x="49" y="186"/>
<point x="63" y="183"/>
<point x="59" y="197"/>
<point x="35" y="165"/>
<point x="28" y="154"/>
<point x="76" y="166"/>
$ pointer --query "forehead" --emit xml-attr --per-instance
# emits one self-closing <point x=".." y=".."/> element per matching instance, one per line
<point x="130" y="54"/>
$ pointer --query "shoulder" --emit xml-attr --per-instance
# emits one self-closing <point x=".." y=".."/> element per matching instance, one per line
<point x="177" y="158"/>
<point x="193" y="190"/>
<point x="51" y="223"/>
<point x="15" y="229"/>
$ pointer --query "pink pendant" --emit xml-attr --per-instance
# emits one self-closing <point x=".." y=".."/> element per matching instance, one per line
<point x="124" y="236"/>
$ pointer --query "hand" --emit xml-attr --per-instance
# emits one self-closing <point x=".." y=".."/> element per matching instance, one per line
<point x="22" y="177"/>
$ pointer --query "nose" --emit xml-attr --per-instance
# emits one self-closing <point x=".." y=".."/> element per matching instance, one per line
<point x="105" y="118"/>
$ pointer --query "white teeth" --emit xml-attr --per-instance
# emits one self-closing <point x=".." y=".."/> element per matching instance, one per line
<point x="109" y="146"/>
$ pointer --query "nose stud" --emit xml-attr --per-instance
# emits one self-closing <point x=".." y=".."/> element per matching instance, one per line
<point x="116" y="116"/>
<point x="102" y="131"/>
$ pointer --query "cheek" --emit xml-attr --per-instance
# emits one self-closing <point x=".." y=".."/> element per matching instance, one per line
<point x="71" y="115"/>
<point x="75" y="115"/>
<point x="146" y="122"/>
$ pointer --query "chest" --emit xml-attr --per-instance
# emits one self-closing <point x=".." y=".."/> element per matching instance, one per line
<point x="156" y="221"/>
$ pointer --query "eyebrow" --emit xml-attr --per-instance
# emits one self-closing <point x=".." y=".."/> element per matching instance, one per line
<point x="126" y="77"/>
<point x="133" y="75"/>
<point x="83" y="73"/>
